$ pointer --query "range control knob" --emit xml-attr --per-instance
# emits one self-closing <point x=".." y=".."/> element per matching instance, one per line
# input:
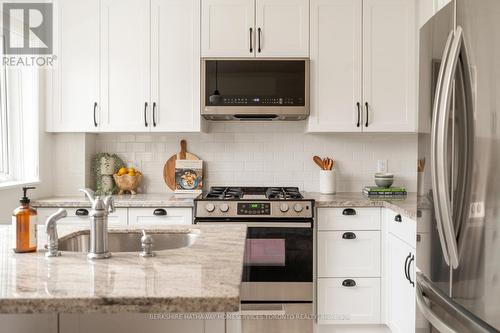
<point x="298" y="208"/>
<point x="284" y="207"/>
<point x="210" y="207"/>
<point x="224" y="208"/>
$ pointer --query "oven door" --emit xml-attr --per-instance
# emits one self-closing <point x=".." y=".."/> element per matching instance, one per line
<point x="278" y="263"/>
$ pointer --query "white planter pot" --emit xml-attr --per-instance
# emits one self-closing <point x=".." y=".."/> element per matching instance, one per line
<point x="327" y="182"/>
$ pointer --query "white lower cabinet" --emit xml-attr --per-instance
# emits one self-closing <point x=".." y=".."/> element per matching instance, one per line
<point x="349" y="253"/>
<point x="401" y="290"/>
<point x="160" y="216"/>
<point x="79" y="216"/>
<point x="349" y="300"/>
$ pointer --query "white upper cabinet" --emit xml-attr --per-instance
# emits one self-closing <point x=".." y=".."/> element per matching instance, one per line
<point x="125" y="75"/>
<point x="335" y="65"/>
<point x="228" y="28"/>
<point x="75" y="87"/>
<point x="175" y="65"/>
<point x="255" y="28"/>
<point x="282" y="28"/>
<point x="363" y="66"/>
<point x="389" y="66"/>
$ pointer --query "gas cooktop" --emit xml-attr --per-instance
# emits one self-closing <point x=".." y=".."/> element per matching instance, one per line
<point x="261" y="193"/>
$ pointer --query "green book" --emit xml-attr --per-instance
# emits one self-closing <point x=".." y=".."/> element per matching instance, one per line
<point x="384" y="189"/>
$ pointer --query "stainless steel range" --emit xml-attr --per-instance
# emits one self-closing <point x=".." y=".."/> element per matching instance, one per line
<point x="278" y="264"/>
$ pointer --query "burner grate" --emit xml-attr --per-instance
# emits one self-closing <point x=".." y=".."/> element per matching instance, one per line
<point x="225" y="193"/>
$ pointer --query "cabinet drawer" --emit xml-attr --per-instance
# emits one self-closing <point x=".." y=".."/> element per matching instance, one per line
<point x="339" y="303"/>
<point x="402" y="227"/>
<point x="349" y="253"/>
<point x="160" y="216"/>
<point x="79" y="216"/>
<point x="348" y="218"/>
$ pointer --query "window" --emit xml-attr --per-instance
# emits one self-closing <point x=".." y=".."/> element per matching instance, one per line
<point x="19" y="132"/>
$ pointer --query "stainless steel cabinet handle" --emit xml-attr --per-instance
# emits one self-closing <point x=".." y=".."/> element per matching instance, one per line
<point x="434" y="132"/>
<point x="146" y="114"/>
<point x="154" y="114"/>
<point x="409" y="273"/>
<point x="259" y="31"/>
<point x="366" y="107"/>
<point x="359" y="114"/>
<point x="251" y="37"/>
<point x="95" y="115"/>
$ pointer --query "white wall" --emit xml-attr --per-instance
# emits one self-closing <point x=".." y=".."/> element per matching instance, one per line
<point x="263" y="154"/>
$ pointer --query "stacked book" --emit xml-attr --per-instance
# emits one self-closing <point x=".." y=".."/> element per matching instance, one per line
<point x="375" y="191"/>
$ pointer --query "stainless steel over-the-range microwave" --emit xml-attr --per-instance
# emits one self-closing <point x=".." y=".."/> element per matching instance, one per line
<point x="255" y="89"/>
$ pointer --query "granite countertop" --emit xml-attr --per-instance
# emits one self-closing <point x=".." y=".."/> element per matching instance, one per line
<point x="121" y="201"/>
<point x="204" y="277"/>
<point x="406" y="206"/>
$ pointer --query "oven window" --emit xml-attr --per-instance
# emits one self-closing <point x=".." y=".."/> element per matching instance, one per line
<point x="265" y="252"/>
<point x="278" y="255"/>
<point x="255" y="82"/>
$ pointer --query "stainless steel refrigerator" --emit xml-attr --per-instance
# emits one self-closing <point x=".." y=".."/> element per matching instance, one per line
<point x="458" y="283"/>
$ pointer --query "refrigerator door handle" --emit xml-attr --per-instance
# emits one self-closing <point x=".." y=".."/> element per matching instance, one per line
<point x="434" y="130"/>
<point x="443" y="179"/>
<point x="428" y="293"/>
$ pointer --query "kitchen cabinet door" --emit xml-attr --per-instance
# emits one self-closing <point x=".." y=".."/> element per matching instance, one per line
<point x="228" y="28"/>
<point x="336" y="40"/>
<point x="175" y="65"/>
<point x="75" y="86"/>
<point x="401" y="293"/>
<point x="349" y="301"/>
<point x="349" y="253"/>
<point x="389" y="66"/>
<point x="282" y="28"/>
<point x="125" y="75"/>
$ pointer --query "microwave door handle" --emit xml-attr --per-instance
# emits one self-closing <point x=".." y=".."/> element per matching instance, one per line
<point x="433" y="164"/>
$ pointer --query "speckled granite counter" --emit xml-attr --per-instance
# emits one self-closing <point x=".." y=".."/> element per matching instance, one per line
<point x="406" y="206"/>
<point x="204" y="277"/>
<point x="138" y="200"/>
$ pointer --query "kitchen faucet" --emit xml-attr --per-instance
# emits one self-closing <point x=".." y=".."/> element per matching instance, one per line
<point x="101" y="207"/>
<point x="51" y="229"/>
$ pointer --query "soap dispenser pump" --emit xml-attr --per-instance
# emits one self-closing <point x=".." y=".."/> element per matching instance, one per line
<point x="24" y="224"/>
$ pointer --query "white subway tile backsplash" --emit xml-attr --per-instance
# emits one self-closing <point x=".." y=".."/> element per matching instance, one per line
<point x="259" y="154"/>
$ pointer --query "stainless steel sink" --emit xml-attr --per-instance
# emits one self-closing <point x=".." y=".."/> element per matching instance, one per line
<point x="129" y="241"/>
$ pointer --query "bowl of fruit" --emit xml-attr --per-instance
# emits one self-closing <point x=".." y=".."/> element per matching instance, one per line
<point x="127" y="180"/>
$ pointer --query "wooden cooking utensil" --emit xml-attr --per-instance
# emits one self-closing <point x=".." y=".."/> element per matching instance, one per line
<point x="169" y="168"/>
<point x="318" y="161"/>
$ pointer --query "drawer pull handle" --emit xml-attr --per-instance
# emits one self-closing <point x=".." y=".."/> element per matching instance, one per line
<point x="349" y="235"/>
<point x="159" y="212"/>
<point x="349" y="283"/>
<point x="81" y="212"/>
<point x="398" y="218"/>
<point x="349" y="211"/>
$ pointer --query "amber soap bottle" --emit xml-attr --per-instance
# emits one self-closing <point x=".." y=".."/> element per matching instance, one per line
<point x="24" y="220"/>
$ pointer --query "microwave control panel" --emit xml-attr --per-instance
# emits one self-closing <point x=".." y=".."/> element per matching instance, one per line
<point x="261" y="101"/>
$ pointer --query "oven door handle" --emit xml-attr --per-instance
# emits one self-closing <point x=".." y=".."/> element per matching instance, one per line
<point x="263" y="310"/>
<point x="303" y="225"/>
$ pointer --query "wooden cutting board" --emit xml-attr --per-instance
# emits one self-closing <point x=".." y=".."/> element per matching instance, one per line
<point x="169" y="168"/>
